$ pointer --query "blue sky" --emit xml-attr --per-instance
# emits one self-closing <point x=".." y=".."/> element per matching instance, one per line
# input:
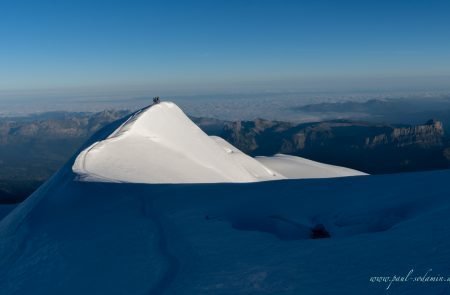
<point x="216" y="45"/>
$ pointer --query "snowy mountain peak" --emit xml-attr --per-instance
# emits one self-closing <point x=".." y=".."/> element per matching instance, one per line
<point x="160" y="144"/>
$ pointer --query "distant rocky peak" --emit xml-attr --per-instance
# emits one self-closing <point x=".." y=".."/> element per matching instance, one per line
<point x="436" y="124"/>
<point x="429" y="134"/>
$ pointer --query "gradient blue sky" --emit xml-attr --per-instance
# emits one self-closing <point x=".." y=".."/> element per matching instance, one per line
<point x="212" y="45"/>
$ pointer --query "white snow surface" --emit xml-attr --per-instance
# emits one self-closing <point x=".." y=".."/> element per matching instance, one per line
<point x="297" y="167"/>
<point x="160" y="144"/>
<point x="308" y="236"/>
<point x="72" y="237"/>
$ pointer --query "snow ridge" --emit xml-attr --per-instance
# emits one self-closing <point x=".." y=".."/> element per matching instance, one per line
<point x="160" y="144"/>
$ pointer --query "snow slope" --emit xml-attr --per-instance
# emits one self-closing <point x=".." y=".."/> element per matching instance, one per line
<point x="297" y="167"/>
<point x="73" y="237"/>
<point x="307" y="236"/>
<point x="160" y="144"/>
<point x="5" y="209"/>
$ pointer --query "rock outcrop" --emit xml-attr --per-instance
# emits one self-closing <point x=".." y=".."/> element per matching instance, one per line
<point x="427" y="135"/>
<point x="369" y="147"/>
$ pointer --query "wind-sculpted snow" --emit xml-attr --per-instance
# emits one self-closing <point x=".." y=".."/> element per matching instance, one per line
<point x="326" y="236"/>
<point x="309" y="236"/>
<point x="297" y="167"/>
<point x="160" y="144"/>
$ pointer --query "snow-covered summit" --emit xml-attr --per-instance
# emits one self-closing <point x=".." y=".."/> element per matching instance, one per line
<point x="160" y="144"/>
<point x="276" y="237"/>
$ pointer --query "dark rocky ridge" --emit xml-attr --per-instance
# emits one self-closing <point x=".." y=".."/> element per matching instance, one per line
<point x="373" y="148"/>
<point x="33" y="148"/>
<point x="429" y="134"/>
<point x="65" y="125"/>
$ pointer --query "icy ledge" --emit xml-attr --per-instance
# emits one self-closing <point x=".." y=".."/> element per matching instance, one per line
<point x="160" y="144"/>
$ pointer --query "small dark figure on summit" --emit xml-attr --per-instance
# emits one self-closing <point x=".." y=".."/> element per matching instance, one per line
<point x="156" y="100"/>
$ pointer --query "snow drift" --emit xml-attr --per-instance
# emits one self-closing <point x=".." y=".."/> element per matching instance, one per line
<point x="297" y="167"/>
<point x="307" y="236"/>
<point x="160" y="144"/>
<point x="310" y="236"/>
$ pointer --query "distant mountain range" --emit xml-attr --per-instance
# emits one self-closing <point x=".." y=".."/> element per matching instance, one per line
<point x="369" y="147"/>
<point x="32" y="148"/>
